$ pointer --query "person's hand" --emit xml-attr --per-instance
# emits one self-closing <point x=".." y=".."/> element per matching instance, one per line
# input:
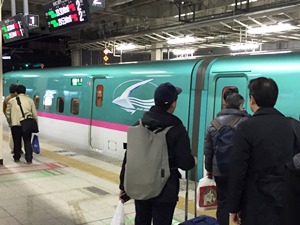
<point x="235" y="218"/>
<point x="121" y="193"/>
<point x="209" y="175"/>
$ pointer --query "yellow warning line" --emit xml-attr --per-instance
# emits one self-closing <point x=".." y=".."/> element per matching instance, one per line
<point x="110" y="176"/>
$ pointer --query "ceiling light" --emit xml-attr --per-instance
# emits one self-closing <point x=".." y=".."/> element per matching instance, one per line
<point x="244" y="46"/>
<point x="270" y="29"/>
<point x="123" y="47"/>
<point x="182" y="40"/>
<point x="182" y="15"/>
<point x="183" y="51"/>
<point x="243" y="2"/>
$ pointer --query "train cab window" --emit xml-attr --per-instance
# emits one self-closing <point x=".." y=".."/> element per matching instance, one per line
<point x="36" y="100"/>
<point x="225" y="91"/>
<point x="60" y="104"/>
<point x="75" y="106"/>
<point x="47" y="103"/>
<point x="99" y="95"/>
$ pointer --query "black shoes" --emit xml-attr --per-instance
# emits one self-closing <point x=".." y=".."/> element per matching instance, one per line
<point x="17" y="160"/>
<point x="29" y="162"/>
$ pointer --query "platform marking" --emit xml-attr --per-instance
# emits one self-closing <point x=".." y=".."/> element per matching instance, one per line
<point x="112" y="177"/>
<point x="29" y="168"/>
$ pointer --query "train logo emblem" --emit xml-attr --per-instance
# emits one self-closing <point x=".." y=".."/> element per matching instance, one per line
<point x="127" y="100"/>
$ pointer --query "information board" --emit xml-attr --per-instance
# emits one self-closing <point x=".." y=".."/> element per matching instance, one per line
<point x="66" y="13"/>
<point x="14" y="28"/>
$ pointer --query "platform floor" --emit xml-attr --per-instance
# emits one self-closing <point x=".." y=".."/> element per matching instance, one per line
<point x="66" y="186"/>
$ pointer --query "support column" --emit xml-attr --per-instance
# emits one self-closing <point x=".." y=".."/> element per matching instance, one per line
<point x="76" y="57"/>
<point x="156" y="52"/>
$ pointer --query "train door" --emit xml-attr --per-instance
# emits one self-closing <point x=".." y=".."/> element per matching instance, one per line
<point x="97" y="114"/>
<point x="225" y="82"/>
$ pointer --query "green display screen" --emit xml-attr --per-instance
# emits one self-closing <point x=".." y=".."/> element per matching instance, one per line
<point x="76" y="81"/>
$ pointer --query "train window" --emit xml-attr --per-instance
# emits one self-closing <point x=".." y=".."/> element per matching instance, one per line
<point x="75" y="106"/>
<point x="60" y="104"/>
<point x="99" y="95"/>
<point x="229" y="89"/>
<point x="47" y="103"/>
<point x="36" y="100"/>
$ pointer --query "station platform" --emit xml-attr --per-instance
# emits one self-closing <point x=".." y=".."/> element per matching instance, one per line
<point x="67" y="186"/>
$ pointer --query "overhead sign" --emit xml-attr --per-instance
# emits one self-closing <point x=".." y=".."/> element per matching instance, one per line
<point x="14" y="28"/>
<point x="32" y="21"/>
<point x="66" y="13"/>
<point x="98" y="3"/>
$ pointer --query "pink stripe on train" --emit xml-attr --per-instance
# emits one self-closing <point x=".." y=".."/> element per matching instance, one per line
<point x="96" y="123"/>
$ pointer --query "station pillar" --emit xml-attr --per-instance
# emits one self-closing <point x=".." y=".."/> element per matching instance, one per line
<point x="76" y="56"/>
<point x="156" y="52"/>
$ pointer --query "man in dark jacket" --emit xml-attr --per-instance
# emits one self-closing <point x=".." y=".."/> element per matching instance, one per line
<point x="264" y="143"/>
<point x="160" y="209"/>
<point x="233" y="113"/>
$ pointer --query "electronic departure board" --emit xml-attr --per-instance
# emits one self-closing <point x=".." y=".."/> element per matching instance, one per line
<point x="66" y="13"/>
<point x="14" y="28"/>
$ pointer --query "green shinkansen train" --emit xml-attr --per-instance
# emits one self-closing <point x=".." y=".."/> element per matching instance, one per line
<point x="92" y="107"/>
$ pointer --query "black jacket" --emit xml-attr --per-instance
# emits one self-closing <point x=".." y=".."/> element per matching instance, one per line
<point x="224" y="117"/>
<point x="264" y="143"/>
<point x="179" y="150"/>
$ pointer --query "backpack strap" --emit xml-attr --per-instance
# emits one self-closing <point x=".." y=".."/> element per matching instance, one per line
<point x="216" y="124"/>
<point x="232" y="123"/>
<point x="235" y="120"/>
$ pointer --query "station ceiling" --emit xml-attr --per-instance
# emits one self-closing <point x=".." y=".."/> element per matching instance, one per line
<point x="151" y="23"/>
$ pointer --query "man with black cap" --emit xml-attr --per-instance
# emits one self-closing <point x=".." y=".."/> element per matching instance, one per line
<point x="160" y="209"/>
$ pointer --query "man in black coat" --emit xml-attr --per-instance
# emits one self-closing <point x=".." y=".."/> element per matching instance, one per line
<point x="263" y="145"/>
<point x="160" y="209"/>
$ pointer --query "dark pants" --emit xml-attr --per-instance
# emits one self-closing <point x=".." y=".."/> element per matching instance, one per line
<point x="161" y="213"/>
<point x="222" y="190"/>
<point x="17" y="136"/>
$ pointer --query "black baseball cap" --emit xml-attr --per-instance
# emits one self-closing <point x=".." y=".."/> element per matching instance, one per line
<point x="166" y="93"/>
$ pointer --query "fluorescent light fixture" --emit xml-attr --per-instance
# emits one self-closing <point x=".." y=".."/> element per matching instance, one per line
<point x="190" y="13"/>
<point x="123" y="47"/>
<point x="243" y="2"/>
<point x="269" y="52"/>
<point x="244" y="46"/>
<point x="183" y="51"/>
<point x="6" y="57"/>
<point x="183" y="40"/>
<point x="270" y="29"/>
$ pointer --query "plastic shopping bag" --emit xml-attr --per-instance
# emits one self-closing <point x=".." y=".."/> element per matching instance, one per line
<point x="119" y="215"/>
<point x="206" y="194"/>
<point x="35" y="144"/>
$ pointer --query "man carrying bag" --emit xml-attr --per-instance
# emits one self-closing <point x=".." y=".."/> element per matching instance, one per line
<point x="18" y="109"/>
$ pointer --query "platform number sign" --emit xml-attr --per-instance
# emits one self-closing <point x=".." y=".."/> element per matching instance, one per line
<point x="32" y="21"/>
<point x="66" y="13"/>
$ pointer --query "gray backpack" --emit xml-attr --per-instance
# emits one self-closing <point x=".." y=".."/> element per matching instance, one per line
<point x="147" y="167"/>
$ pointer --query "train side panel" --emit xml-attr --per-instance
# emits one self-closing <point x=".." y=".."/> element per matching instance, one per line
<point x="110" y="99"/>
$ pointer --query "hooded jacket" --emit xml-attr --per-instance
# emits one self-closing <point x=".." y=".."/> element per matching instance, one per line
<point x="224" y="117"/>
<point x="179" y="150"/>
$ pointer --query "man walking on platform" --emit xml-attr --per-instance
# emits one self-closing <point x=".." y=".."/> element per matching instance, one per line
<point x="14" y="116"/>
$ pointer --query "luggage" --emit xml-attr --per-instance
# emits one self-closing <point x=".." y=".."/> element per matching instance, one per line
<point x="201" y="220"/>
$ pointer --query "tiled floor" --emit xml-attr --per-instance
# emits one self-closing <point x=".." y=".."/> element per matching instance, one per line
<point x="63" y="186"/>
